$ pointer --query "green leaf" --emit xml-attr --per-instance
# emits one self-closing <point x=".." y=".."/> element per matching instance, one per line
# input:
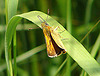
<point x="74" y="48"/>
<point x="11" y="9"/>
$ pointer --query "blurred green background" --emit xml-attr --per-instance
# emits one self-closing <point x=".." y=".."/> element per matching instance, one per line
<point x="83" y="17"/>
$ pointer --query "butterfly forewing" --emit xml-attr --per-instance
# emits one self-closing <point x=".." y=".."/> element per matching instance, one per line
<point x="50" y="47"/>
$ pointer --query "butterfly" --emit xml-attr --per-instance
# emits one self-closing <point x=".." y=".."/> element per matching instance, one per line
<point x="54" y="44"/>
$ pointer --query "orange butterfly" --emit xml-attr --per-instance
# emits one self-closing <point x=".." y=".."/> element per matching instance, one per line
<point x="54" y="45"/>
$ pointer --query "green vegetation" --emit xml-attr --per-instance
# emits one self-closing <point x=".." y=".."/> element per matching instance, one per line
<point x="23" y="51"/>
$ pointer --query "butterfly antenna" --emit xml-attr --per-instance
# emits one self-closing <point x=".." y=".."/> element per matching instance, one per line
<point x="41" y="19"/>
<point x="47" y="15"/>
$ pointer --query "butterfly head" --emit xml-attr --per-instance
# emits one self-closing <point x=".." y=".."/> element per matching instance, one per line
<point x="44" y="24"/>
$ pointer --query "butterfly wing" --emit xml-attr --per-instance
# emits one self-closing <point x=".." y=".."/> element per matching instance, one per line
<point x="54" y="44"/>
<point x="50" y="47"/>
<point x="57" y="39"/>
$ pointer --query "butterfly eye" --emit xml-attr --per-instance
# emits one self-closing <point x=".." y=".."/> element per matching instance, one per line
<point x="46" y="24"/>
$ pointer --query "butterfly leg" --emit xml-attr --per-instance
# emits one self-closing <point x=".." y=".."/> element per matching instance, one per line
<point x="59" y="28"/>
<point x="60" y="33"/>
<point x="56" y="28"/>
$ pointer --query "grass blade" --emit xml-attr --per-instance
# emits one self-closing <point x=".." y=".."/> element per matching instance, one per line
<point x="69" y="28"/>
<point x="24" y="56"/>
<point x="74" y="48"/>
<point x="11" y="9"/>
<point x="96" y="47"/>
